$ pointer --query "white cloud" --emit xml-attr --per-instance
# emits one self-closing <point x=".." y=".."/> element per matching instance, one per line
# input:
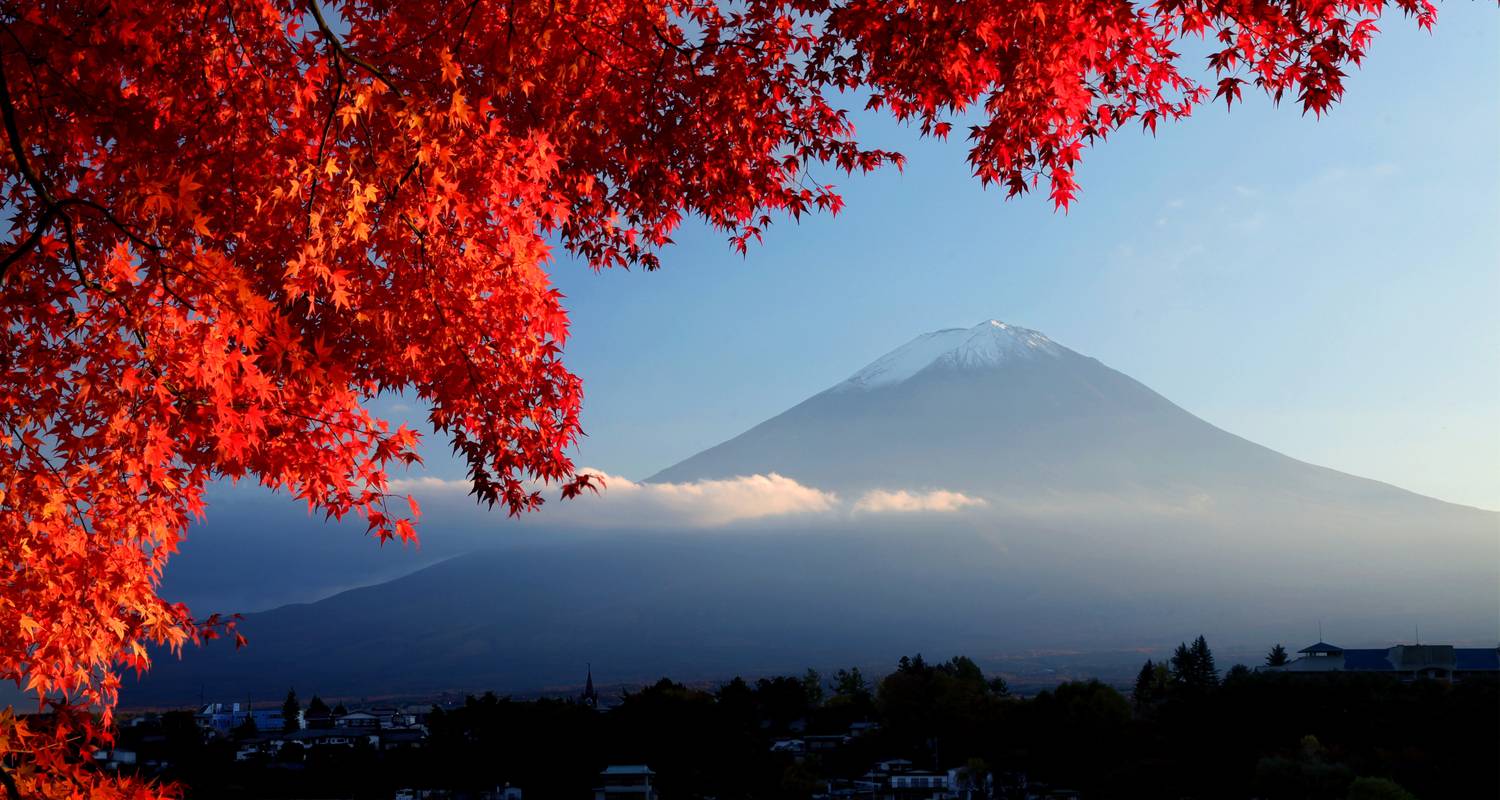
<point x="700" y="504"/>
<point x="624" y="503"/>
<point x="709" y="503"/>
<point x="881" y="501"/>
<point x="426" y="483"/>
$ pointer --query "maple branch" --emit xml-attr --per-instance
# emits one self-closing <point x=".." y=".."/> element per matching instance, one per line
<point x="54" y="207"/>
<point x="340" y="50"/>
<point x="17" y="147"/>
<point x="110" y="217"/>
<point x="463" y="30"/>
<point x="333" y="110"/>
<point x="11" y="790"/>
<point x="685" y="49"/>
<point x="41" y="458"/>
<point x="30" y="244"/>
<point x="23" y="165"/>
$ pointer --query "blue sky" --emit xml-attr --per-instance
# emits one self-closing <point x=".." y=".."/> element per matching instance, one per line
<point x="1327" y="288"/>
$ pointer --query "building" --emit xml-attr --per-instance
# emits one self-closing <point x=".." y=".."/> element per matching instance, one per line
<point x="401" y="738"/>
<point x="630" y="782"/>
<point x="896" y="779"/>
<point x="114" y="759"/>
<point x="824" y="743"/>
<point x="905" y="782"/>
<point x="225" y="717"/>
<point x="589" y="697"/>
<point x="362" y="720"/>
<point x="1405" y="661"/>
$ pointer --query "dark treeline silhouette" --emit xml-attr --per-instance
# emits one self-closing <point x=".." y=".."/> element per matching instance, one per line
<point x="1184" y="731"/>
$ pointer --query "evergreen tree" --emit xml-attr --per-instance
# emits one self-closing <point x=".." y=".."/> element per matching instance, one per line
<point x="1183" y="673"/>
<point x="1144" y="693"/>
<point x="812" y="684"/>
<point x="1206" y="674"/>
<point x="850" y="683"/>
<point x="1277" y="657"/>
<point x="738" y="701"/>
<point x="912" y="666"/>
<point x="291" y="712"/>
<point x="246" y="729"/>
<point x="1193" y="666"/>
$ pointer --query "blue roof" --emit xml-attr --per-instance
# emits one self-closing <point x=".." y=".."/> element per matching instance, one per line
<point x="1476" y="658"/>
<point x="627" y="769"/>
<point x="1322" y="647"/>
<point x="1368" y="660"/>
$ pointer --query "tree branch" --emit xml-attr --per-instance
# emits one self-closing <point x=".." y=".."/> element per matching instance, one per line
<point x="23" y="165"/>
<point x="12" y="792"/>
<point x="341" y="51"/>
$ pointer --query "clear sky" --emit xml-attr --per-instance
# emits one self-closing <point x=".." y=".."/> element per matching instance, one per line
<point x="1328" y="288"/>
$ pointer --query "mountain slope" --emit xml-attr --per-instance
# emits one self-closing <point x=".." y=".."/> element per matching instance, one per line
<point x="1002" y="410"/>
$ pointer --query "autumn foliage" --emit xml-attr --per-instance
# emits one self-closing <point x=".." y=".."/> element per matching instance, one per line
<point x="230" y="224"/>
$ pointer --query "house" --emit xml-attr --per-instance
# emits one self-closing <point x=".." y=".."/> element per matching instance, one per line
<point x="919" y="780"/>
<point x="401" y="738"/>
<point x="824" y="743"/>
<point x="629" y="781"/>
<point x="114" y="759"/>
<point x="385" y="716"/>
<point x="225" y="717"/>
<point x="334" y="737"/>
<point x="970" y="785"/>
<point x="1405" y="661"/>
<point x="362" y="720"/>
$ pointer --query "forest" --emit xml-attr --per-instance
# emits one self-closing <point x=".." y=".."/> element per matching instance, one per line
<point x="1182" y="731"/>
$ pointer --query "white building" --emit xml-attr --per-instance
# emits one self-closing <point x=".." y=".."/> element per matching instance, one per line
<point x="630" y="782"/>
<point x="920" y="780"/>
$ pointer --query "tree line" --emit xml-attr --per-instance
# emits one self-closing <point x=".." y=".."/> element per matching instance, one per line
<point x="1183" y="730"/>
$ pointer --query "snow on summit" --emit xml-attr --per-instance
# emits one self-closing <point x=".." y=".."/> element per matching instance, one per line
<point x="990" y="343"/>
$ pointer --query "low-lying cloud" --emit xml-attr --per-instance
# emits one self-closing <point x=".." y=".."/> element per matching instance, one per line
<point x="624" y="503"/>
<point x="882" y="501"/>
<point x="709" y="503"/>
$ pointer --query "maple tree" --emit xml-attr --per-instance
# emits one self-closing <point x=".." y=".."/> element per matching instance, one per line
<point x="231" y="223"/>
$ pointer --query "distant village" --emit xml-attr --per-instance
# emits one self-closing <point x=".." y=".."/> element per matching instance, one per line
<point x="265" y="736"/>
<point x="920" y="733"/>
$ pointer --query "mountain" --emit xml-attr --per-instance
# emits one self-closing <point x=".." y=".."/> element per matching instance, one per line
<point x="1000" y="409"/>
<point x="1110" y="519"/>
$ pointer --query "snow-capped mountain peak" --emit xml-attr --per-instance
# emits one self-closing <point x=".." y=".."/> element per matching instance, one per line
<point x="988" y="344"/>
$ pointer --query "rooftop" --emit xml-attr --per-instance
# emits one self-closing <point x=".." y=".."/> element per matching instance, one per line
<point x="628" y="769"/>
